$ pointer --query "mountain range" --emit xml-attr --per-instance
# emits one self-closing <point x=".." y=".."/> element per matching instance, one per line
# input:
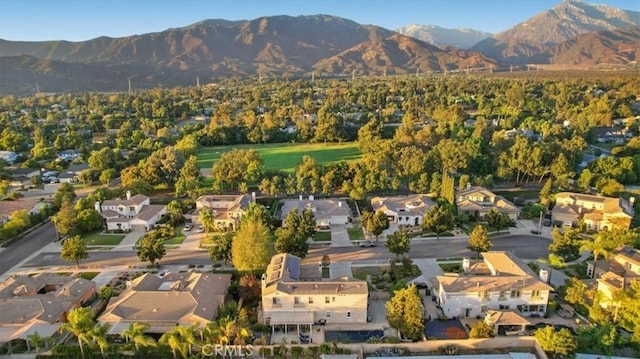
<point x="573" y="32"/>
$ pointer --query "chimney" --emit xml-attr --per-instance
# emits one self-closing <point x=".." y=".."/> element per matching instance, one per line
<point x="544" y="275"/>
<point x="466" y="263"/>
<point x="632" y="200"/>
<point x="97" y="207"/>
<point x="128" y="195"/>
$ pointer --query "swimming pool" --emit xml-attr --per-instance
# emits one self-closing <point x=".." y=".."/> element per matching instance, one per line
<point x="351" y="336"/>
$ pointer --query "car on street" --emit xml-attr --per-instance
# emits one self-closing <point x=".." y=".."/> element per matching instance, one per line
<point x="367" y="244"/>
<point x="187" y="227"/>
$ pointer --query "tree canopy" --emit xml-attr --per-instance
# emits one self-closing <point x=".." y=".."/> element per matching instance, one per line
<point x="252" y="249"/>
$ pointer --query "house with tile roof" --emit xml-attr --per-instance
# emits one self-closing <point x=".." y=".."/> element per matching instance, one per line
<point x="597" y="212"/>
<point x="327" y="211"/>
<point x="501" y="281"/>
<point x="227" y="209"/>
<point x="31" y="205"/>
<point x="289" y="297"/>
<point x="403" y="210"/>
<point x="135" y="213"/>
<point x="40" y="303"/>
<point x="616" y="273"/>
<point x="477" y="201"/>
<point x="165" y="301"/>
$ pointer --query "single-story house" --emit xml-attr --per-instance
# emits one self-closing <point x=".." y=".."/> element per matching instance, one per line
<point x="403" y="210"/>
<point x="326" y="211"/>
<point x="164" y="301"/>
<point x="477" y="201"/>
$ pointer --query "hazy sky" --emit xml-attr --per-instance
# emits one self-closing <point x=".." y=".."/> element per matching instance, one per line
<point x="77" y="20"/>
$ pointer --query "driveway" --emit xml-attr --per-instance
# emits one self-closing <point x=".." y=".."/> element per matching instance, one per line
<point x="340" y="236"/>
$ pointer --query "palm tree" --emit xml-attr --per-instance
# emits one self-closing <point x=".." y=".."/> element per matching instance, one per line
<point x="179" y="339"/>
<point x="99" y="336"/>
<point x="79" y="323"/>
<point x="36" y="340"/>
<point x="135" y="333"/>
<point x="599" y="245"/>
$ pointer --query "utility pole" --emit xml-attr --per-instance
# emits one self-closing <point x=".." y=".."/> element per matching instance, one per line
<point x="130" y="89"/>
<point x="198" y="81"/>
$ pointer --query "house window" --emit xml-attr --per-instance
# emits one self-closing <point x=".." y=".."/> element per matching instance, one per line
<point x="296" y="300"/>
<point x="535" y="293"/>
<point x="310" y="300"/>
<point x="132" y="209"/>
<point x="333" y="299"/>
<point x="348" y="314"/>
<point x="484" y="308"/>
<point x="328" y="314"/>
<point x="515" y="294"/>
<point x="502" y="295"/>
<point x="327" y="300"/>
<point x="276" y="300"/>
<point x="505" y="307"/>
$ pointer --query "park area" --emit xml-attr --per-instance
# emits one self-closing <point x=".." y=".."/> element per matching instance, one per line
<point x="286" y="156"/>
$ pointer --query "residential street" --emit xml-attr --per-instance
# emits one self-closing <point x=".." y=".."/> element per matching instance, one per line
<point x="524" y="246"/>
<point x="26" y="246"/>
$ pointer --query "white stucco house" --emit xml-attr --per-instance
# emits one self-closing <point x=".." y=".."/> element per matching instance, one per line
<point x="500" y="282"/>
<point x="327" y="211"/>
<point x="403" y="210"/>
<point x="135" y="213"/>
<point x="288" y="298"/>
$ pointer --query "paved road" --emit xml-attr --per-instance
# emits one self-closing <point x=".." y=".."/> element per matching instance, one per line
<point x="524" y="246"/>
<point x="28" y="245"/>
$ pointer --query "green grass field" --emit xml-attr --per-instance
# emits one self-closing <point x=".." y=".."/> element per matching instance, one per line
<point x="286" y="156"/>
<point x="96" y="239"/>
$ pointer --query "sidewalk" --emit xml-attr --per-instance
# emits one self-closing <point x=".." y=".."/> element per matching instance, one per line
<point x="128" y="242"/>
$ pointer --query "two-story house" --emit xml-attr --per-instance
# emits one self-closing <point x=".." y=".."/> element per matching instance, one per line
<point x="135" y="213"/>
<point x="597" y="212"/>
<point x="289" y="300"/>
<point x="616" y="273"/>
<point x="227" y="209"/>
<point x="403" y="210"/>
<point x="477" y="201"/>
<point x="500" y="282"/>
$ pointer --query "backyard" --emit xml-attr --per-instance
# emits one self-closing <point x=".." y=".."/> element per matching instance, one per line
<point x="286" y="156"/>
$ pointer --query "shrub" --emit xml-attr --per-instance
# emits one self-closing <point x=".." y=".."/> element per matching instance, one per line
<point x="296" y="351"/>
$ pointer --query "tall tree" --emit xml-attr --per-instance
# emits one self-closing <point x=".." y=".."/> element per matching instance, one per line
<point x="404" y="312"/>
<point x="66" y="220"/>
<point x="497" y="220"/>
<point x="74" y="250"/>
<point x="398" y="242"/>
<point x="557" y="343"/>
<point x="136" y="333"/>
<point x="179" y="339"/>
<point x="150" y="249"/>
<point x="79" y="323"/>
<point x="221" y="249"/>
<point x="438" y="219"/>
<point x="479" y="240"/>
<point x="251" y="250"/>
<point x="375" y="223"/>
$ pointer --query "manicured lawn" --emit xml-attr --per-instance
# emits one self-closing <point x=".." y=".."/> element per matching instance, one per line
<point x="178" y="239"/>
<point x="355" y="233"/>
<point x="96" y="238"/>
<point x="322" y="236"/>
<point x="88" y="275"/>
<point x="525" y="193"/>
<point x="286" y="156"/>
